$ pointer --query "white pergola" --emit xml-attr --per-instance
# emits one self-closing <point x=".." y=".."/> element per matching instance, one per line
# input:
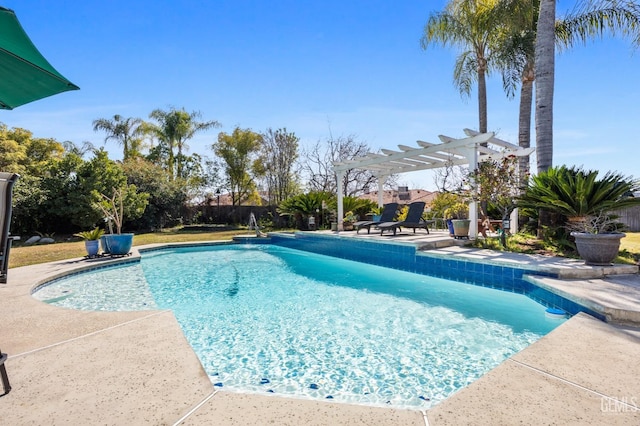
<point x="471" y="150"/>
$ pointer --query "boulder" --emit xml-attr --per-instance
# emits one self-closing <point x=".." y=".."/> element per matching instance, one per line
<point x="32" y="240"/>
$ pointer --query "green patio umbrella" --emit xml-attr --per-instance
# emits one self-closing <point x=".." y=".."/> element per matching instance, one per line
<point x="25" y="75"/>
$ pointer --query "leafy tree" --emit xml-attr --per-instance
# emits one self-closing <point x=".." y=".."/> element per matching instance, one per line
<point x="173" y="129"/>
<point x="442" y="202"/>
<point x="73" y="186"/>
<point x="28" y="216"/>
<point x="238" y="151"/>
<point x="276" y="164"/>
<point x="125" y="131"/>
<point x="166" y="197"/>
<point x="496" y="182"/>
<point x="60" y="206"/>
<point x="471" y="25"/>
<point x="21" y="153"/>
<point x="40" y="152"/>
<point x="13" y="153"/>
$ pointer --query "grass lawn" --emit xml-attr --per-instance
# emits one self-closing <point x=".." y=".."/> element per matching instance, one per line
<point x="631" y="242"/>
<point x="29" y="255"/>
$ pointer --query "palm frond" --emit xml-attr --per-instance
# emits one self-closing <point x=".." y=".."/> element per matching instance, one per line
<point x="596" y="19"/>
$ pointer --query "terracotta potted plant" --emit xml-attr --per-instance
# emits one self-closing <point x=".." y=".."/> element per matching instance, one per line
<point x="458" y="216"/>
<point x="349" y="219"/>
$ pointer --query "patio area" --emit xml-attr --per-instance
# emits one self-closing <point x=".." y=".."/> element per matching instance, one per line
<point x="76" y="367"/>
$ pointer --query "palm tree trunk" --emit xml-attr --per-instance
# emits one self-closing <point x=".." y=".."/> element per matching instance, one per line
<point x="125" y="148"/>
<point x="170" y="162"/>
<point x="179" y="161"/>
<point x="545" y="70"/>
<point x="524" y="120"/>
<point x="482" y="100"/>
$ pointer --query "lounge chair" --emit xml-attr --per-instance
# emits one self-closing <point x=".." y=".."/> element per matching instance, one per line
<point x="388" y="213"/>
<point x="413" y="220"/>
<point x="3" y="372"/>
<point x="6" y="186"/>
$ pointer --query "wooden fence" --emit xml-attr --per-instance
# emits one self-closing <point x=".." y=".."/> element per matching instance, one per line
<point x="630" y="217"/>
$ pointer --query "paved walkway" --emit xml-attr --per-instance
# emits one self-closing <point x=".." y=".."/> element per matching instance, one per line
<point x="73" y="367"/>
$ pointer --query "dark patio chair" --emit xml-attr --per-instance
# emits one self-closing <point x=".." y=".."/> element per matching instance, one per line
<point x="3" y="373"/>
<point x="6" y="187"/>
<point x="413" y="220"/>
<point x="388" y="213"/>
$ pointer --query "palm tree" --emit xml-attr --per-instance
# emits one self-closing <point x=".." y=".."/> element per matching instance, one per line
<point x="592" y="19"/>
<point x="125" y="131"/>
<point x="545" y="58"/>
<point x="470" y="25"/>
<point x="173" y="129"/>
<point x="79" y="150"/>
<point x="618" y="16"/>
<point x="516" y="54"/>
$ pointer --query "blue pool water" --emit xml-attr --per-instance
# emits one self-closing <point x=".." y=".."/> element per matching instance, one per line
<point x="271" y="319"/>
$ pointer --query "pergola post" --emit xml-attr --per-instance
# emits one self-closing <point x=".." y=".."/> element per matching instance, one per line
<point x="471" y="154"/>
<point x="340" y="177"/>
<point x="381" y="181"/>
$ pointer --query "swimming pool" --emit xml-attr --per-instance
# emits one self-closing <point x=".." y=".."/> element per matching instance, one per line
<point x="265" y="318"/>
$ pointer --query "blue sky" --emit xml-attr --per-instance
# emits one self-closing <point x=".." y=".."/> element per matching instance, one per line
<point x="314" y="67"/>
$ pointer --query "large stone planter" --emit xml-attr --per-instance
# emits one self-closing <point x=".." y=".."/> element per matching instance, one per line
<point x="460" y="228"/>
<point x="118" y="244"/>
<point x="598" y="249"/>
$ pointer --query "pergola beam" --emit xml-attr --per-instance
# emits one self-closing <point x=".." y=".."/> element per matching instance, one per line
<point x="369" y="159"/>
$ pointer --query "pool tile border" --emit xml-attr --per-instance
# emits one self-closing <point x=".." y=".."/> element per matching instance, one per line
<point x="407" y="258"/>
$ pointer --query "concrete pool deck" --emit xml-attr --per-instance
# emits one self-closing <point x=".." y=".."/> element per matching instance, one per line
<point x="77" y="367"/>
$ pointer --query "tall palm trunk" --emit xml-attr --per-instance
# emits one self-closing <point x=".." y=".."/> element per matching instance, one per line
<point x="482" y="99"/>
<point x="524" y="119"/>
<point x="545" y="70"/>
<point x="125" y="148"/>
<point x="170" y="160"/>
<point x="179" y="162"/>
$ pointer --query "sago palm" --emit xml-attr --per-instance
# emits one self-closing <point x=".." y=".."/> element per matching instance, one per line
<point x="576" y="193"/>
